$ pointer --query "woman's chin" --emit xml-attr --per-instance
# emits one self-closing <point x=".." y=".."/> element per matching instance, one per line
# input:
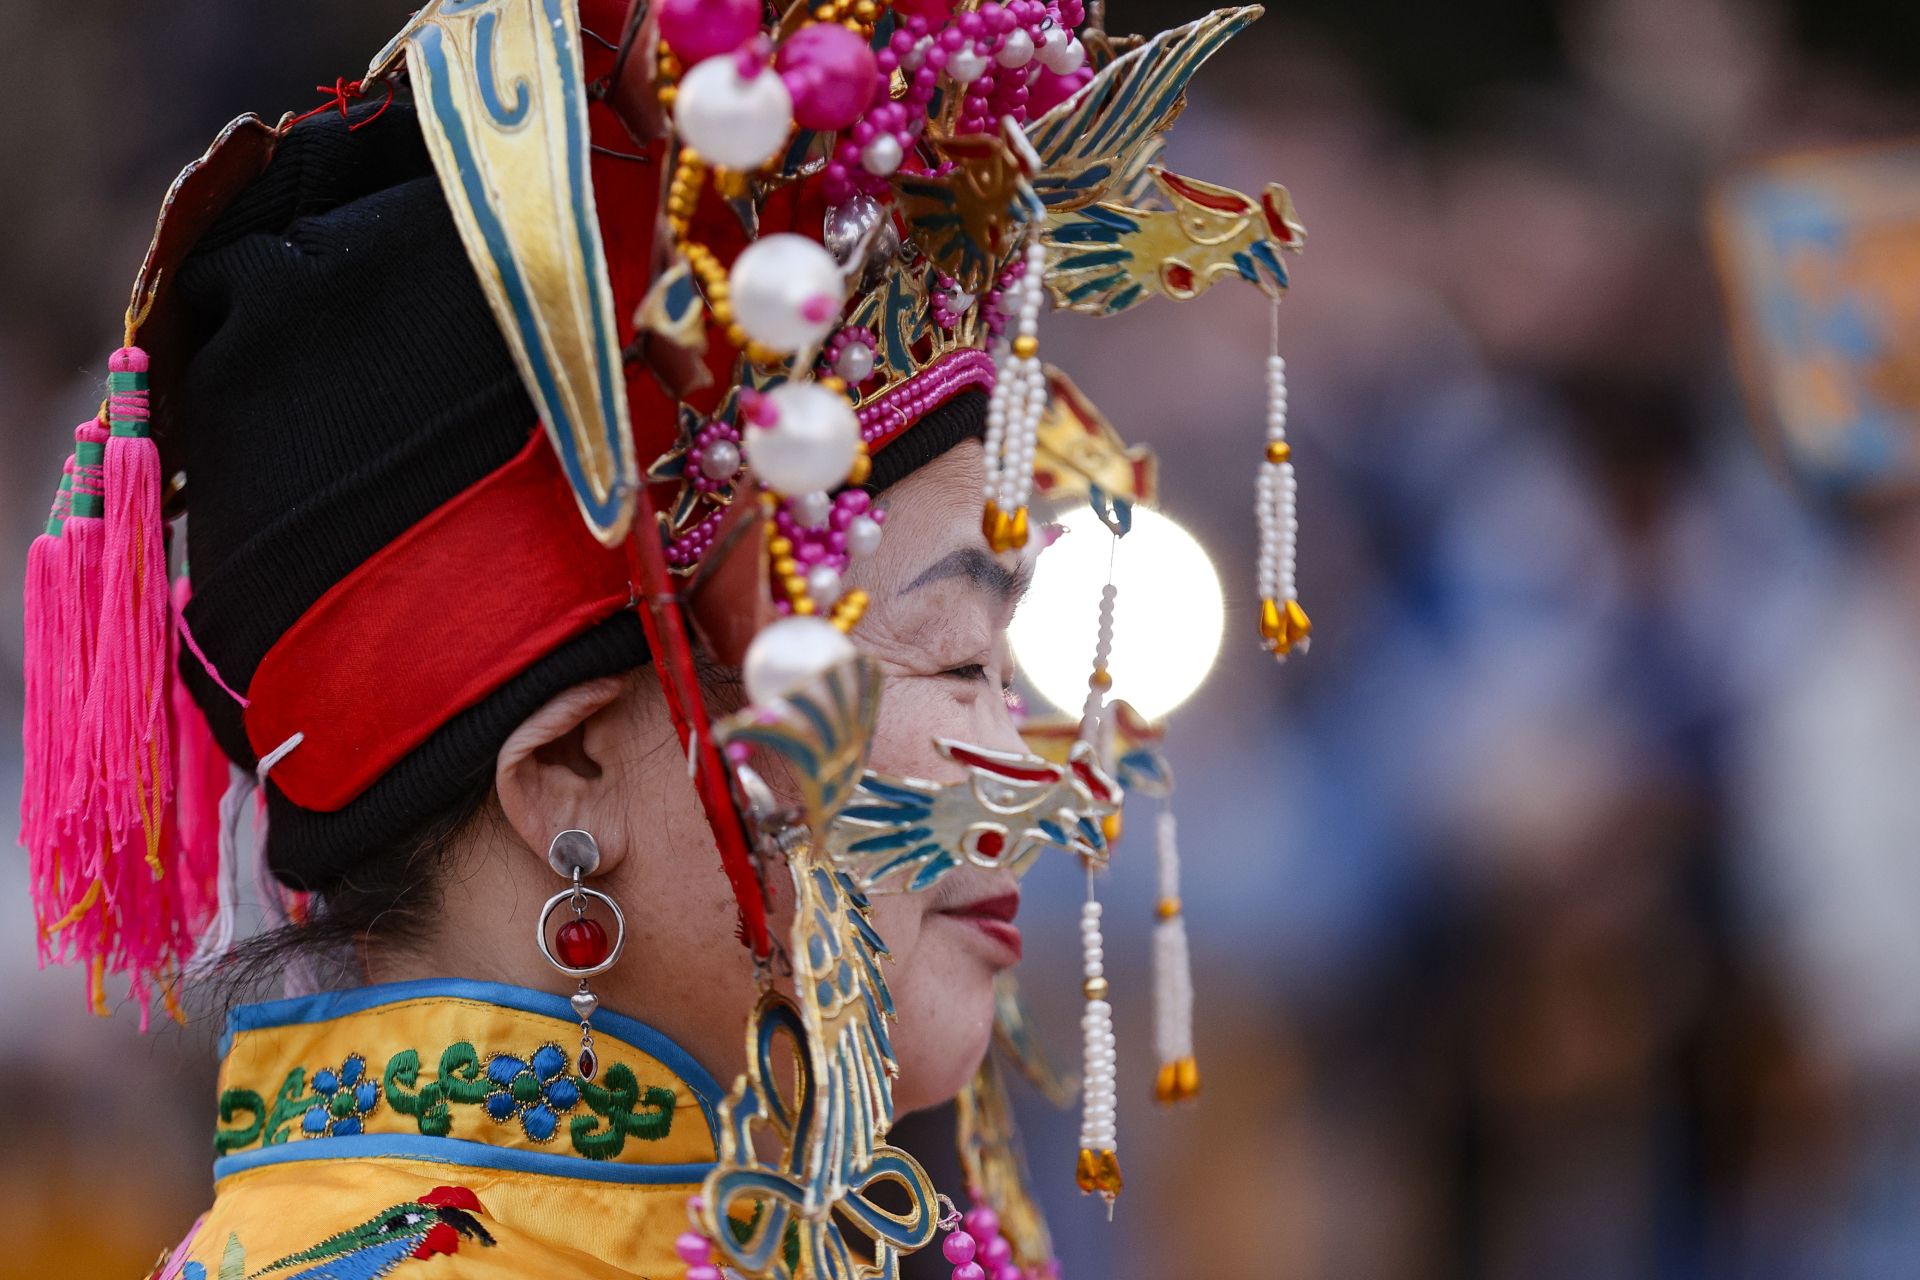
<point x="937" y="1060"/>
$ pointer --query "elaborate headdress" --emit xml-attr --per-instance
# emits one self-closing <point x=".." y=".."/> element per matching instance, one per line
<point x="743" y="268"/>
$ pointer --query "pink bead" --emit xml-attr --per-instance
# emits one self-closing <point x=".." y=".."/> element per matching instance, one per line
<point x="700" y="29"/>
<point x="1010" y="1272"/>
<point x="965" y="1271"/>
<point x="830" y="73"/>
<point x="694" y="1249"/>
<point x="982" y="1223"/>
<point x="958" y="1248"/>
<point x="995" y="1253"/>
<point x="706" y="1271"/>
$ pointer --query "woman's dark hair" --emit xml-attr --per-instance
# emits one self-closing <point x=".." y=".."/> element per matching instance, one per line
<point x="389" y="900"/>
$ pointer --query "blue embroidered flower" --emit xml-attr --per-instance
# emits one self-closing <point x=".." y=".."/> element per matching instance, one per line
<point x="345" y="1098"/>
<point x="539" y="1091"/>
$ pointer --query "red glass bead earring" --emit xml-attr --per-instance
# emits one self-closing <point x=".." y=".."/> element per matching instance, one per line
<point x="579" y="948"/>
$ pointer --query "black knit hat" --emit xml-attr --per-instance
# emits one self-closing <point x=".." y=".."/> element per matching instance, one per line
<point x="347" y="379"/>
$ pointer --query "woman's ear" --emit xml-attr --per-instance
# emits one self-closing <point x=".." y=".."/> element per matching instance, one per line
<point x="550" y="777"/>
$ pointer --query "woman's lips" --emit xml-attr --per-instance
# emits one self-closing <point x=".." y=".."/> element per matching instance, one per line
<point x="993" y="917"/>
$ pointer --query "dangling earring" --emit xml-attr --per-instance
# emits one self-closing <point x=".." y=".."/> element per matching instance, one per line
<point x="579" y="947"/>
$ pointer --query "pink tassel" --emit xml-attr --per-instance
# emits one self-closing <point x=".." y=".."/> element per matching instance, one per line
<point x="67" y="888"/>
<point x="46" y="743"/>
<point x="201" y="777"/>
<point x="127" y="698"/>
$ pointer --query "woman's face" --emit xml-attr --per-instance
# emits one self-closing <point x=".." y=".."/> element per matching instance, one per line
<point x="937" y="625"/>
<point x="936" y="622"/>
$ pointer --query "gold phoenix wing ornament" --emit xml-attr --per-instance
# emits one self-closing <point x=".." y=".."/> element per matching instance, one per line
<point x="501" y="97"/>
<point x="908" y="833"/>
<point x="830" y="1128"/>
<point x="831" y="1133"/>
<point x="1086" y="149"/>
<point x="1107" y="257"/>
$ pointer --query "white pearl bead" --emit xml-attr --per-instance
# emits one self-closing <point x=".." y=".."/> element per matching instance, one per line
<point x="790" y="652"/>
<point x="855" y="362"/>
<point x="1064" y="58"/>
<point x="812" y="509"/>
<point x="719" y="460"/>
<point x="823" y="584"/>
<point x="881" y="156"/>
<point x="787" y="291"/>
<point x="1016" y="50"/>
<point x="738" y="122"/>
<point x="966" y="64"/>
<point x="863" y="535"/>
<point x="811" y="443"/>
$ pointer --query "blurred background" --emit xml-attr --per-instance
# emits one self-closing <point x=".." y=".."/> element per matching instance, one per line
<point x="1560" y="914"/>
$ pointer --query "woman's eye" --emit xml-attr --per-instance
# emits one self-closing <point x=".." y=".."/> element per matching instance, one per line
<point x="971" y="671"/>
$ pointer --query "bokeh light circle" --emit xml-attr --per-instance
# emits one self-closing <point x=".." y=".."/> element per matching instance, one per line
<point x="1169" y="614"/>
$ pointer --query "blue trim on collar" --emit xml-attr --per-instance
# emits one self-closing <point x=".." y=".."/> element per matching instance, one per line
<point x="459" y="1151"/>
<point x="327" y="1005"/>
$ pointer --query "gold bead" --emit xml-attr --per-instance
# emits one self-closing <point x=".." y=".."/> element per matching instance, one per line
<point x="793" y="585"/>
<point x="1111" y="826"/>
<point x="1167" y="908"/>
<point x="990" y="523"/>
<point x="862" y="468"/>
<point x="1026" y="345"/>
<point x="1298" y="625"/>
<point x="1270" y="620"/>
<point x="1094" y="988"/>
<point x="1097" y="1171"/>
<point x="736" y="336"/>
<point x="787" y="567"/>
<point x="833" y="383"/>
<point x="1278" y="451"/>
<point x="779" y="545"/>
<point x="1100" y="679"/>
<point x="1017" y="530"/>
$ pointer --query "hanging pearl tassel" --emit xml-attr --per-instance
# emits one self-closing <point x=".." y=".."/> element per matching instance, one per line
<point x="1179" y="1075"/>
<point x="1014" y="410"/>
<point x="1284" y="626"/>
<point x="1098" y="1168"/>
<point x="1101" y="679"/>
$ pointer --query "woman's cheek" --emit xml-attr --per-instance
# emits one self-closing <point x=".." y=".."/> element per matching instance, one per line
<point x="913" y="712"/>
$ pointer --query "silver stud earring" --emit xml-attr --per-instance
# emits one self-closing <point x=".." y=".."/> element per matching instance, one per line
<point x="580" y="948"/>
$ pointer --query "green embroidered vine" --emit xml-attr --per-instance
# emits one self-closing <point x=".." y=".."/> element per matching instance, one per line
<point x="536" y="1091"/>
<point x="617" y="1102"/>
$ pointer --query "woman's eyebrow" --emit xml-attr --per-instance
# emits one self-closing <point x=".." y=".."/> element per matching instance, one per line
<point x="979" y="568"/>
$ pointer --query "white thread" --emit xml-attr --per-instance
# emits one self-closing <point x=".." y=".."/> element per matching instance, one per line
<point x="216" y="940"/>
<point x="275" y="756"/>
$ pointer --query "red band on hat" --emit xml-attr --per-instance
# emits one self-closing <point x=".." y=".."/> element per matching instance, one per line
<point x="448" y="612"/>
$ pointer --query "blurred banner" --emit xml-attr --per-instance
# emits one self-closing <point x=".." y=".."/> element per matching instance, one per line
<point x="1821" y="257"/>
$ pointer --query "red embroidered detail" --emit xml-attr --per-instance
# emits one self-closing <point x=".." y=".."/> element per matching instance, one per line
<point x="440" y="1238"/>
<point x="441" y="617"/>
<point x="453" y="1198"/>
